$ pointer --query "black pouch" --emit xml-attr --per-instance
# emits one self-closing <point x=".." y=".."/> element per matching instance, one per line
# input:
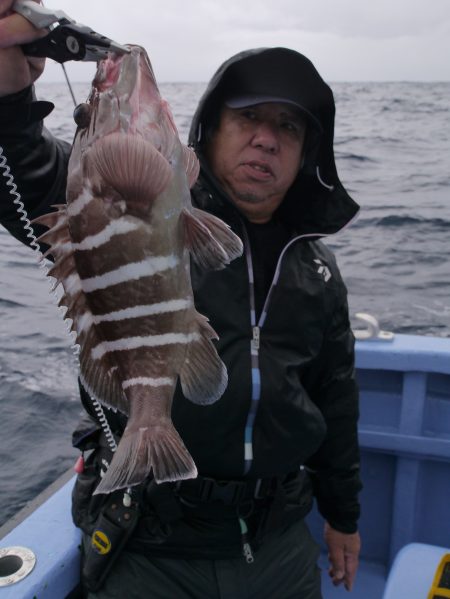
<point x="111" y="531"/>
<point x="85" y="505"/>
<point x="88" y="437"/>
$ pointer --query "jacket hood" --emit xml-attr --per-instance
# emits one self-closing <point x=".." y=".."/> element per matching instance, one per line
<point x="317" y="202"/>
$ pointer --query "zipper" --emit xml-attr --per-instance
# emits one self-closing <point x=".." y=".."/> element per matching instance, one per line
<point x="256" y="336"/>
<point x="246" y="547"/>
<point x="255" y="341"/>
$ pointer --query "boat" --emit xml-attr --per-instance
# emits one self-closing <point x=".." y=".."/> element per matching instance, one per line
<point x="404" y="433"/>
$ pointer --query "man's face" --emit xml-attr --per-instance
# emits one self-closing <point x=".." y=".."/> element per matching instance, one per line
<point x="256" y="154"/>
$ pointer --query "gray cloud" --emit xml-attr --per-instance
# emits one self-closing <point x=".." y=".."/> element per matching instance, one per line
<point x="346" y="39"/>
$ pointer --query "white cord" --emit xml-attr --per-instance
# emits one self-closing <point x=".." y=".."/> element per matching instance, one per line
<point x="322" y="182"/>
<point x="104" y="423"/>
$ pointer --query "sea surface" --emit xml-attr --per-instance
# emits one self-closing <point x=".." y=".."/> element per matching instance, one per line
<point x="392" y="149"/>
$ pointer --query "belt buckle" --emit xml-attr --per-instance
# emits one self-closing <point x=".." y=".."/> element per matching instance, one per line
<point x="229" y="492"/>
<point x="263" y="485"/>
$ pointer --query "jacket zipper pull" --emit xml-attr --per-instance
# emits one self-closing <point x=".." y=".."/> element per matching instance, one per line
<point x="246" y="549"/>
<point x="256" y="337"/>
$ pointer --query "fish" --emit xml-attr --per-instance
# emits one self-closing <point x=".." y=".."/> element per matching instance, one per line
<point x="121" y="249"/>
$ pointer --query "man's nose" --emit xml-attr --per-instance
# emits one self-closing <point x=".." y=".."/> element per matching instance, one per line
<point x="266" y="138"/>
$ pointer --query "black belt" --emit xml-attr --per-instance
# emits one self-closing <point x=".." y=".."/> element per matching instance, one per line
<point x="229" y="492"/>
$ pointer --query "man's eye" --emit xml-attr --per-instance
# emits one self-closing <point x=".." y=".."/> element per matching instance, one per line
<point x="249" y="114"/>
<point x="290" y="126"/>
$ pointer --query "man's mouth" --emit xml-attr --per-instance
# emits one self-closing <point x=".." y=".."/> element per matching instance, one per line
<point x="259" y="167"/>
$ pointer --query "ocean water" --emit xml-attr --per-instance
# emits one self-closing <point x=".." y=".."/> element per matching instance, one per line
<point x="392" y="149"/>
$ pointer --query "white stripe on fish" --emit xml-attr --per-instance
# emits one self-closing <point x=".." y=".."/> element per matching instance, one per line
<point x="72" y="284"/>
<point x="78" y="205"/>
<point x="130" y="272"/>
<point x="84" y="323"/>
<point x="115" y="227"/>
<point x="149" y="382"/>
<point x="145" y="310"/>
<point x="149" y="341"/>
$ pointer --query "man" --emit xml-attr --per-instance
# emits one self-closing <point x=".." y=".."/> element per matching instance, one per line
<point x="285" y="427"/>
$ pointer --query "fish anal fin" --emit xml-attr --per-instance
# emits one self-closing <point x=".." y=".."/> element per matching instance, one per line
<point x="203" y="376"/>
<point x="210" y="241"/>
<point x="143" y="449"/>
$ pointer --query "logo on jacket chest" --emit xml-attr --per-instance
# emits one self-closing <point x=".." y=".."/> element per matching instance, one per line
<point x="323" y="270"/>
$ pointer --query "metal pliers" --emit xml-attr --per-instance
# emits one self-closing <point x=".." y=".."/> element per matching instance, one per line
<point x="67" y="40"/>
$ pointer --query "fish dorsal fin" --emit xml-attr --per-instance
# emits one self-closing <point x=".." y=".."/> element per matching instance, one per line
<point x="191" y="164"/>
<point x="132" y="166"/>
<point x="98" y="376"/>
<point x="57" y="235"/>
<point x="210" y="241"/>
<point x="203" y="376"/>
<point x="51" y="219"/>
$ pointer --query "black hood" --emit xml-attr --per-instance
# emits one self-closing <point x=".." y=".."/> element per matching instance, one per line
<point x="317" y="201"/>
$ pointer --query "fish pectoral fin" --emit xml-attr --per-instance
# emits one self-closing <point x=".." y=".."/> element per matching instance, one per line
<point x="132" y="166"/>
<point x="210" y="241"/>
<point x="158" y="448"/>
<point x="191" y="164"/>
<point x="203" y="376"/>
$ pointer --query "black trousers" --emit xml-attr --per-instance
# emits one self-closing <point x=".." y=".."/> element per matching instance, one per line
<point x="285" y="567"/>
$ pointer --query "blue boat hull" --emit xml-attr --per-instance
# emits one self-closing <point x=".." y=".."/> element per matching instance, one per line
<point x="405" y="441"/>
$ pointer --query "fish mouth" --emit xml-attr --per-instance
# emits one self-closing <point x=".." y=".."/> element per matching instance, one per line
<point x="110" y="69"/>
<point x="108" y="72"/>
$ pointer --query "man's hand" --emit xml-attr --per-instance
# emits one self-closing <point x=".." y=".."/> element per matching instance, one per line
<point x="343" y="552"/>
<point x="17" y="70"/>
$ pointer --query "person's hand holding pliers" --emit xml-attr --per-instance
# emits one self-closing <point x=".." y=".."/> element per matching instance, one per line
<point x="43" y="32"/>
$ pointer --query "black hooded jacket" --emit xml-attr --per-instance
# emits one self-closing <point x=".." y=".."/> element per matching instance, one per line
<point x="303" y="375"/>
<point x="292" y="399"/>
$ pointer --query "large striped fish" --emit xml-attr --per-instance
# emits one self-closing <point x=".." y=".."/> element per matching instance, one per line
<point x="121" y="248"/>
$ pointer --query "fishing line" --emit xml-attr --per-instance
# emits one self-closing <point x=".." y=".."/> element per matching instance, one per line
<point x="64" y="70"/>
<point x="69" y="85"/>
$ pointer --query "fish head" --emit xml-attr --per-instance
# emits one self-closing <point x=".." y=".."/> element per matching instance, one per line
<point x="125" y="98"/>
<point x="124" y="127"/>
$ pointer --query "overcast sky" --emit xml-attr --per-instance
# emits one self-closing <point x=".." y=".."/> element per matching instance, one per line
<point x="348" y="40"/>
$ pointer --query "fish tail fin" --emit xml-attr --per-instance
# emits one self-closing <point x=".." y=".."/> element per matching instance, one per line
<point x="159" y="448"/>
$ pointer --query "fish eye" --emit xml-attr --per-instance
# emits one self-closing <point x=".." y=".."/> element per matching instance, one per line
<point x="82" y="115"/>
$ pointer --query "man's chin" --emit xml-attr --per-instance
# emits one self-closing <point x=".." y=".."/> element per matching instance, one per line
<point x="248" y="197"/>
